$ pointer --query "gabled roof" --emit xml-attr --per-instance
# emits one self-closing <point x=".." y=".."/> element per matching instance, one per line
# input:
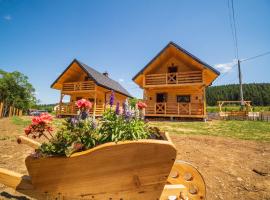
<point x="99" y="79"/>
<point x="182" y="50"/>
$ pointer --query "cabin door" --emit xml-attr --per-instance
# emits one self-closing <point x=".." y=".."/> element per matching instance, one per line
<point x="161" y="99"/>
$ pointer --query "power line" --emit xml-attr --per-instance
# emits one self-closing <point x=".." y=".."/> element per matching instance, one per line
<point x="232" y="21"/>
<point x="253" y="57"/>
<point x="235" y="32"/>
<point x="231" y="25"/>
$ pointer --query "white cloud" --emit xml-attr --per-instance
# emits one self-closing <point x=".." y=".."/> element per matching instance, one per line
<point x="121" y="80"/>
<point x="7" y="17"/>
<point x="226" y="67"/>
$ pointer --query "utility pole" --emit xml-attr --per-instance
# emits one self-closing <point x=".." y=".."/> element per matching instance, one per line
<point x="240" y="83"/>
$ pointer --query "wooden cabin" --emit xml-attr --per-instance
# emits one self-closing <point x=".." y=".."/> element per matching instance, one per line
<point x="174" y="83"/>
<point x="81" y="81"/>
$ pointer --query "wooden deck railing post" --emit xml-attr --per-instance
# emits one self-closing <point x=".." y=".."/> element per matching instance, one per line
<point x="189" y="108"/>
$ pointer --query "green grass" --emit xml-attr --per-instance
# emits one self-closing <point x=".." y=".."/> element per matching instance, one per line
<point x="20" y="121"/>
<point x="236" y="108"/>
<point x="4" y="137"/>
<point x="247" y="130"/>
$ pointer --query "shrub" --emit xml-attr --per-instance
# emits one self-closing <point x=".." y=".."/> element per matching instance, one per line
<point x="83" y="132"/>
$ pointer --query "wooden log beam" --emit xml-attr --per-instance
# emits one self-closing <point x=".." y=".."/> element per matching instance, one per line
<point x="15" y="180"/>
<point x="23" y="184"/>
<point x="28" y="141"/>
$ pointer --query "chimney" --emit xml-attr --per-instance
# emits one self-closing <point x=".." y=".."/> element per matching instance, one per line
<point x="106" y="74"/>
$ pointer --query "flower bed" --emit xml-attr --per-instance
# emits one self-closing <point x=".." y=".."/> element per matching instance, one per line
<point x="85" y="132"/>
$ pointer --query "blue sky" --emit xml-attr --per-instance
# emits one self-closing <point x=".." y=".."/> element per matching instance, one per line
<point x="40" y="38"/>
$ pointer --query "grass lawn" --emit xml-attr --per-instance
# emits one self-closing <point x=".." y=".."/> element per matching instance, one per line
<point x="247" y="130"/>
<point x="237" y="108"/>
<point x="21" y="121"/>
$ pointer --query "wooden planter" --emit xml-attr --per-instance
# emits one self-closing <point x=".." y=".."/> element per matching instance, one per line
<point x="130" y="170"/>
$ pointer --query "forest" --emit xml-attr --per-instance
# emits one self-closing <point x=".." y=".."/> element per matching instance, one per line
<point x="258" y="93"/>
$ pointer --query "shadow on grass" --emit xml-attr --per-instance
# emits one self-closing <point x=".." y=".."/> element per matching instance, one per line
<point x="9" y="196"/>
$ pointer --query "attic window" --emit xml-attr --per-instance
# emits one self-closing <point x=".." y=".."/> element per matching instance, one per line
<point x="172" y="68"/>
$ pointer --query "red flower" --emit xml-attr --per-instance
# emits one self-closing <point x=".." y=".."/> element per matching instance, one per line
<point x="39" y="125"/>
<point x="83" y="103"/>
<point x="46" y="117"/>
<point x="77" y="146"/>
<point x="27" y="130"/>
<point x="49" y="129"/>
<point x="43" y="118"/>
<point x="141" y="105"/>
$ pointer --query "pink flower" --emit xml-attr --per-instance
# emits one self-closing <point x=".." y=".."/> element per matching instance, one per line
<point x="84" y="104"/>
<point x="141" y="105"/>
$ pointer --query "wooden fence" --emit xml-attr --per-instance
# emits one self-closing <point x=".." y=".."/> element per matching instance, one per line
<point x="244" y="115"/>
<point x="10" y="111"/>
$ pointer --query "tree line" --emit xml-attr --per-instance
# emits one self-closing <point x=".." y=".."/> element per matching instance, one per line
<point x="16" y="91"/>
<point x="258" y="93"/>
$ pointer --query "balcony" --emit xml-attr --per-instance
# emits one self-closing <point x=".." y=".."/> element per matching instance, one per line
<point x="70" y="109"/>
<point x="169" y="79"/>
<point x="78" y="86"/>
<point x="175" y="109"/>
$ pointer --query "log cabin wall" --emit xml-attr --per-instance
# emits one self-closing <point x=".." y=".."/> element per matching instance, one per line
<point x="172" y="107"/>
<point x="179" y="78"/>
<point x="76" y="83"/>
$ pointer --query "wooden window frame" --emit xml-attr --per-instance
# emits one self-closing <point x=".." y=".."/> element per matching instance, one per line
<point x="178" y="98"/>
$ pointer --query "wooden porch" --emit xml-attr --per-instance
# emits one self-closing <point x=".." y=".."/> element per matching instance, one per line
<point x="170" y="79"/>
<point x="193" y="110"/>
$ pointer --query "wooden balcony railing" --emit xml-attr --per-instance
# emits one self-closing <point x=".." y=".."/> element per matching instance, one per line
<point x="188" y="77"/>
<point x="175" y="109"/>
<point x="72" y="109"/>
<point x="78" y="86"/>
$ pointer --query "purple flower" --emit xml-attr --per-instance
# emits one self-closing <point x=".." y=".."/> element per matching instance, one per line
<point x="94" y="124"/>
<point x="112" y="98"/>
<point x="73" y="121"/>
<point x="117" y="110"/>
<point x="125" y="107"/>
<point x="128" y="115"/>
<point x="84" y="115"/>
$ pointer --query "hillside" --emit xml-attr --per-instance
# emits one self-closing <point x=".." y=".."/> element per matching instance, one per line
<point x="258" y="93"/>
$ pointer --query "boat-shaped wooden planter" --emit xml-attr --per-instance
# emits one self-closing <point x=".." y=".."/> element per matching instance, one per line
<point x="130" y="170"/>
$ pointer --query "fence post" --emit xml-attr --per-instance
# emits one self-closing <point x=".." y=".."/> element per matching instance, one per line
<point x="10" y="111"/>
<point x="1" y="109"/>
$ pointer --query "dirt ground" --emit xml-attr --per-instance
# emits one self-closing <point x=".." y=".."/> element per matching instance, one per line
<point x="226" y="164"/>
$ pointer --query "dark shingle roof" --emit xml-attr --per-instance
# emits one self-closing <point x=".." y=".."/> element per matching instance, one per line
<point x="180" y="49"/>
<point x="104" y="81"/>
<point x="100" y="79"/>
